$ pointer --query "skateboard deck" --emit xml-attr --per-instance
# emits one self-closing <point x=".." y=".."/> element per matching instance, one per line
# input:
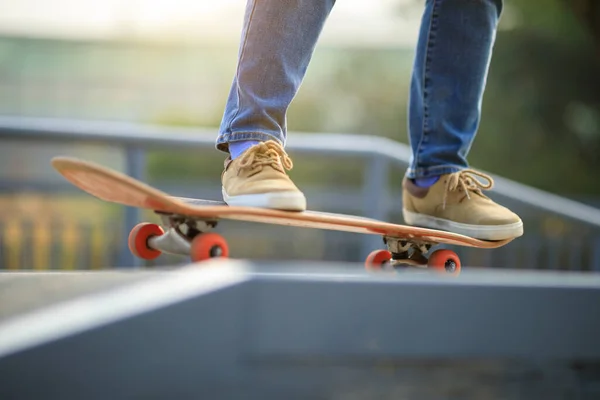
<point x="186" y="222"/>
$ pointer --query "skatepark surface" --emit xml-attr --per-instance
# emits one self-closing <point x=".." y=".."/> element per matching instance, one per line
<point x="236" y="329"/>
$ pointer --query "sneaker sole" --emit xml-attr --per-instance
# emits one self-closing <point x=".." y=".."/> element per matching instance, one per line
<point x="288" y="201"/>
<point x="483" y="232"/>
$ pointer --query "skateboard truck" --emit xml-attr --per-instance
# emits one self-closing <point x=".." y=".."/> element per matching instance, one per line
<point x="183" y="236"/>
<point x="408" y="252"/>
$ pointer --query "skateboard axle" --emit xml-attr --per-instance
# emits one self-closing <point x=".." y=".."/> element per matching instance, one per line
<point x="172" y="241"/>
<point x="179" y="234"/>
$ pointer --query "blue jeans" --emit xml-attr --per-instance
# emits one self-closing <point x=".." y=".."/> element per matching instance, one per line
<point x="448" y="80"/>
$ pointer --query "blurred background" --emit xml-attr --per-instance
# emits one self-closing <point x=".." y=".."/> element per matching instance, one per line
<point x="169" y="63"/>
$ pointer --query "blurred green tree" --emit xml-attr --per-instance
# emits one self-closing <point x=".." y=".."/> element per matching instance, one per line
<point x="541" y="111"/>
<point x="541" y="117"/>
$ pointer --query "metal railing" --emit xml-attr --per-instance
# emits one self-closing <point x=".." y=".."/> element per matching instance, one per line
<point x="379" y="153"/>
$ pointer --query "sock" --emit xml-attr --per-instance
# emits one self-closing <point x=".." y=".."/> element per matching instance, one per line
<point x="426" y="182"/>
<point x="237" y="148"/>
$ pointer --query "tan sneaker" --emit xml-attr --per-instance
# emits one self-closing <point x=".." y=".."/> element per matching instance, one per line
<point x="456" y="203"/>
<point x="257" y="178"/>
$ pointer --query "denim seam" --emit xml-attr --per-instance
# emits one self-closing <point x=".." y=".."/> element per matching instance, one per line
<point x="430" y="37"/>
<point x="240" y="136"/>
<point x="237" y="70"/>
<point x="448" y="168"/>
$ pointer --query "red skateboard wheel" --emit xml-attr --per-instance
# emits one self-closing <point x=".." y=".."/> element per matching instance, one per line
<point x="376" y="259"/>
<point x="138" y="240"/>
<point x="445" y="261"/>
<point x="208" y="245"/>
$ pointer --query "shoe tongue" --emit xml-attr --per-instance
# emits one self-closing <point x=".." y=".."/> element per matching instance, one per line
<point x="470" y="193"/>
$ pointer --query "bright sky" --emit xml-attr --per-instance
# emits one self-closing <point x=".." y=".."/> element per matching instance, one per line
<point x="352" y="21"/>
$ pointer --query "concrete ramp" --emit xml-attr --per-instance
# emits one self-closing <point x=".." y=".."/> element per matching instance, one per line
<point x="299" y="331"/>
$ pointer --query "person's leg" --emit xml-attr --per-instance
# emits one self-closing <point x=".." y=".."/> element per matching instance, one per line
<point x="277" y="43"/>
<point x="449" y="75"/>
<point x="450" y="69"/>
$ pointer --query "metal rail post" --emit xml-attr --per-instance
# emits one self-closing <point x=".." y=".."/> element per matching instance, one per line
<point x="135" y="166"/>
<point x="375" y="192"/>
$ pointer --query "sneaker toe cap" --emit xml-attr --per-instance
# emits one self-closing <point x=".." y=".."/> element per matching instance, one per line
<point x="497" y="216"/>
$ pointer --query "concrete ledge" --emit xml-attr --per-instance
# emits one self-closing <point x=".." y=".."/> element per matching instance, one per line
<point x="239" y="330"/>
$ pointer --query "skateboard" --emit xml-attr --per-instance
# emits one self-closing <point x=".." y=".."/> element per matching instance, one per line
<point x="186" y="224"/>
